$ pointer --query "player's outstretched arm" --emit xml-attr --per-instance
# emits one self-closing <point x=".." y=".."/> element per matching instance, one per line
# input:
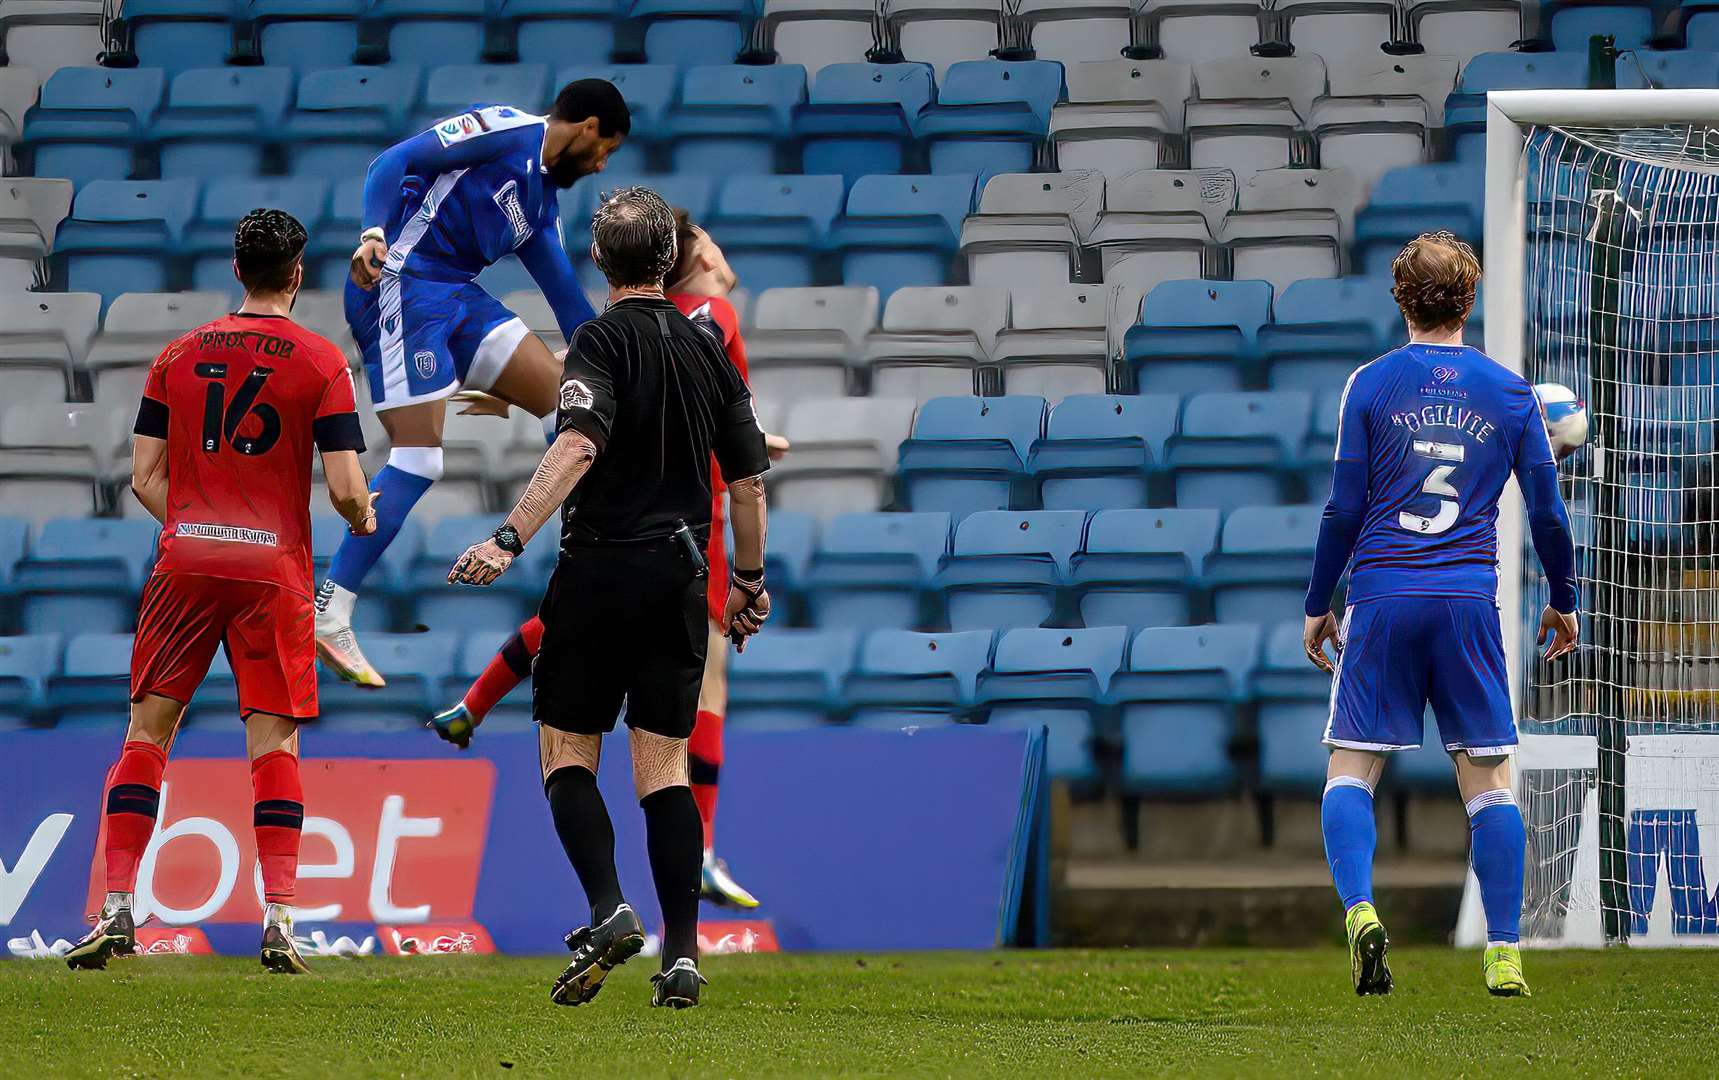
<point x="568" y="460"/>
<point x="349" y="491"/>
<point x="149" y="474"/>
<point x="547" y="263"/>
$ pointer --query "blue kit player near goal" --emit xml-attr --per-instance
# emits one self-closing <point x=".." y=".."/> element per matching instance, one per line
<point x="1427" y="437"/>
<point x="439" y="208"/>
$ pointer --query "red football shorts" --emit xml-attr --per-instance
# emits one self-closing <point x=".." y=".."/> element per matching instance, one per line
<point x="268" y="631"/>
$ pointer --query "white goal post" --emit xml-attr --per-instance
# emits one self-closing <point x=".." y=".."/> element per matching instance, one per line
<point x="1601" y="252"/>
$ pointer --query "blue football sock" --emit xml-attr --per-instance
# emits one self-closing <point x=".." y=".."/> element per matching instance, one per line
<point x="1350" y="837"/>
<point x="1499" y="845"/>
<point x="401" y="483"/>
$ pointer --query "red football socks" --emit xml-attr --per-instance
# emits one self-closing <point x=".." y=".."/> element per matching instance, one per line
<point x="704" y="762"/>
<point x="507" y="669"/>
<point x="278" y="819"/>
<point x="133" y="800"/>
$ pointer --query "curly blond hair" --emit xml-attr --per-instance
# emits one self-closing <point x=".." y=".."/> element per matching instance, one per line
<point x="1435" y="276"/>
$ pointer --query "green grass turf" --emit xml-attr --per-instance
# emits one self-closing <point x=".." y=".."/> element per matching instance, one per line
<point x="1017" y="1014"/>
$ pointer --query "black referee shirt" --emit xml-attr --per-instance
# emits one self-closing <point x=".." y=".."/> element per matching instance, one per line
<point x="658" y="396"/>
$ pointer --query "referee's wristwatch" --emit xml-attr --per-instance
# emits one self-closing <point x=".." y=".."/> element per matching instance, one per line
<point x="507" y="539"/>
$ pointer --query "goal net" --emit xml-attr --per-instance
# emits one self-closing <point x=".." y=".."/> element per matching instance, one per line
<point x="1602" y="248"/>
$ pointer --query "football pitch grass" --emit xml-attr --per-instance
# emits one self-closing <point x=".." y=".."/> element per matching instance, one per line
<point x="1017" y="1014"/>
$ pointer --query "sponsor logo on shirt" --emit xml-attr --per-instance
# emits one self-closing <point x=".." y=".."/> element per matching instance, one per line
<point x="425" y="361"/>
<point x="1444" y="373"/>
<point x="459" y="128"/>
<point x="576" y="395"/>
<point x="231" y="533"/>
<point x="508" y="199"/>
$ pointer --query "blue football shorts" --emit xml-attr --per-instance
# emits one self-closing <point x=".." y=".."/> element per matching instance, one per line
<point x="421" y="340"/>
<point x="1402" y="652"/>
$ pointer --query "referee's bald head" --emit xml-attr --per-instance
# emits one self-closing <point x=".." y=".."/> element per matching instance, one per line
<point x="633" y="238"/>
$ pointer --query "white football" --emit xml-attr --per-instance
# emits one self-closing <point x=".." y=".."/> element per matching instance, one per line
<point x="1566" y="418"/>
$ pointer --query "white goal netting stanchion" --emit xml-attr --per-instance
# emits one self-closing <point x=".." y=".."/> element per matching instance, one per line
<point x="1602" y="259"/>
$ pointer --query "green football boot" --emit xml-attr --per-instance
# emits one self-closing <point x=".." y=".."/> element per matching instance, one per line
<point x="1367" y="947"/>
<point x="1504" y="972"/>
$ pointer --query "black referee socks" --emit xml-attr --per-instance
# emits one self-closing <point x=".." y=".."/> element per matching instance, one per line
<point x="674" y="835"/>
<point x="588" y="837"/>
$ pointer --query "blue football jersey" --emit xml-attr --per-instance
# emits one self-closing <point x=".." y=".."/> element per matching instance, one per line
<point x="1440" y="429"/>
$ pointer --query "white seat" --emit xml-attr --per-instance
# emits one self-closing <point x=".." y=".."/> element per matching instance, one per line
<point x="1118" y="113"/>
<point x="804" y="342"/>
<point x="845" y="451"/>
<point x="1463" y="28"/>
<point x="120" y="387"/>
<point x="31" y="209"/>
<point x="534" y="311"/>
<point x="1250" y="80"/>
<point x="1193" y="31"/>
<point x="19" y="88"/>
<point x="52" y="34"/>
<point x="944" y="32"/>
<point x="1336" y="27"/>
<point x="1158" y="224"/>
<point x="323" y="311"/>
<point x="1377" y="76"/>
<point x="1249" y="112"/>
<point x="1291" y="224"/>
<point x="818" y="33"/>
<point x="47" y="329"/>
<point x="1072" y="31"/>
<point x="140" y="325"/>
<point x="39" y="498"/>
<point x="1055" y="343"/>
<point x="934" y="339"/>
<point x="1031" y="225"/>
<point x="1369" y="136"/>
<point x="56" y="439"/>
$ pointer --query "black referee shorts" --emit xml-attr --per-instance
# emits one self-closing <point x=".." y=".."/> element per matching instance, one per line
<point x="622" y="622"/>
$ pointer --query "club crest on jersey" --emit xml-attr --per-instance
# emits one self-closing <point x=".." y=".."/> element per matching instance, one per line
<point x="425" y="361"/>
<point x="1444" y="373"/>
<point x="576" y="395"/>
<point x="507" y="197"/>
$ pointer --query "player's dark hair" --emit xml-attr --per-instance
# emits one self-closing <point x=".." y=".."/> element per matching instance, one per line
<point x="583" y="99"/>
<point x="1435" y="277"/>
<point x="267" y="245"/>
<point x="685" y="237"/>
<point x="633" y="238"/>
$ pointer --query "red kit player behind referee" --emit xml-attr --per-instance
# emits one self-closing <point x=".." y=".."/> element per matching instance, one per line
<point x="230" y="416"/>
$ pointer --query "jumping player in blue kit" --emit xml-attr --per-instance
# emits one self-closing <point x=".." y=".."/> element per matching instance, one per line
<point x="439" y="208"/>
<point x="1427" y="437"/>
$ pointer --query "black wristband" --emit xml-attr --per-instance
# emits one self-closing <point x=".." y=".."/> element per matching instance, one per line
<point x="750" y="582"/>
<point x="507" y="539"/>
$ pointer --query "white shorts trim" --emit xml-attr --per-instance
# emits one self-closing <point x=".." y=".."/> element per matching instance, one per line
<point x="418" y="399"/>
<point x="494" y="353"/>
<point x="1349" y="744"/>
<point x="1481" y="751"/>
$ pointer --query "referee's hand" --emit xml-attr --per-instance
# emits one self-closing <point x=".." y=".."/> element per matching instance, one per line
<point x="480" y="565"/>
<point x="745" y="615"/>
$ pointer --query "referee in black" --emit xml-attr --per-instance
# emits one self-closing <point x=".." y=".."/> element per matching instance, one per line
<point x="646" y="399"/>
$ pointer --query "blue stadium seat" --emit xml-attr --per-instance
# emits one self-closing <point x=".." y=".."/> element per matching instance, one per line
<point x="86" y="121"/>
<point x="439" y="605"/>
<point x="1057" y="679"/>
<point x="1260" y="570"/>
<point x="1465" y="108"/>
<point x="1573" y="22"/>
<point x="1099" y="449"/>
<point x="772" y="227"/>
<point x="375" y="615"/>
<point x="431" y="33"/>
<point x="345" y="116"/>
<point x="789" y="552"/>
<point x="93" y="684"/>
<point x="1320" y="449"/>
<point x="307" y="35"/>
<point x="905" y="678"/>
<point x="689" y="32"/>
<point x="457" y="87"/>
<point x="209" y="239"/>
<point x="14" y="543"/>
<point x="692" y="193"/>
<point x="83" y="575"/>
<point x="181" y="34"/>
<point x="967" y="453"/>
<point x="1293" y="700"/>
<point x="328" y="253"/>
<point x="476" y="651"/>
<point x="873" y="570"/>
<point x="789" y="678"/>
<point x="121" y="231"/>
<point x="858" y="118"/>
<point x="902" y="230"/>
<point x="1237" y="448"/>
<point x="1672" y="69"/>
<point x="1178" y="697"/>
<point x="1700" y="20"/>
<point x="1197" y="335"/>
<point x="416" y="665"/>
<point x="1324" y="328"/>
<point x="562" y="31"/>
<point x="1138" y="567"/>
<point x="649" y="90"/>
<point x="1008" y="567"/>
<point x="216" y="120"/>
<point x="731" y="116"/>
<point x="990" y="116"/>
<point x="26" y="664"/>
<point x="1416" y="199"/>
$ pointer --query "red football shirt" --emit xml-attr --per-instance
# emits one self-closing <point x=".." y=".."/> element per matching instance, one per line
<point x="714" y="311"/>
<point x="243" y="402"/>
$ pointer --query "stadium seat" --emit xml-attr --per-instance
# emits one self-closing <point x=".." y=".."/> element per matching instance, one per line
<point x="689" y="32"/>
<point x="216" y="120"/>
<point x="730" y="117"/>
<point x="1320" y="449"/>
<point x="789" y="678"/>
<point x="649" y="90"/>
<point x="1077" y="33"/>
<point x="476" y="650"/>
<point x="858" y="118"/>
<point x="345" y="116"/>
<point x="803" y="342"/>
<point x="88" y="119"/>
<point x="1030" y="228"/>
<point x="1117" y="114"/>
<point x="1249" y="112"/>
<point x="844" y="454"/>
<point x="176" y="35"/>
<point x="1237" y="448"/>
<point x="118" y="231"/>
<point x="1178" y="696"/>
<point x="26" y="665"/>
<point x="1007" y="568"/>
<point x="1339" y="27"/>
<point x="1463" y="28"/>
<point x="19" y="90"/>
<point x="1294" y="700"/>
<point x="431" y="33"/>
<point x="562" y="31"/>
<point x="1323" y="329"/>
<point x="53" y="462"/>
<point x="1465" y="109"/>
<point x="1197" y="335"/>
<point x="416" y="665"/>
<point x="326" y="533"/>
<point x="990" y="116"/>
<point x="1157" y="225"/>
<point x="968" y="453"/>
<point x="1380" y="114"/>
<point x="793" y="537"/>
<point x="1056" y="342"/>
<point x="84" y="576"/>
<point x="1674" y="69"/>
<point x="1099" y="450"/>
<point x="1139" y="568"/>
<point x="90" y="686"/>
<point x="1055" y="679"/>
<point x="1290" y="225"/>
<point x="934" y="341"/>
<point x="455" y="88"/>
<point x="140" y="325"/>
<point x="44" y="337"/>
<point x="905" y="678"/>
<point x="820" y="34"/>
<point x="53" y="34"/>
<point x="209" y="238"/>
<point x="1573" y="22"/>
<point x="1191" y="31"/>
<point x="30" y="214"/>
<point x="14" y="543"/>
<point x="772" y="227"/>
<point x="1260" y="570"/>
<point x="442" y="606"/>
<point x="307" y="35"/>
<point x="902" y="230"/>
<point x="1421" y="198"/>
<point x="942" y="33"/>
<point x="873" y="570"/>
